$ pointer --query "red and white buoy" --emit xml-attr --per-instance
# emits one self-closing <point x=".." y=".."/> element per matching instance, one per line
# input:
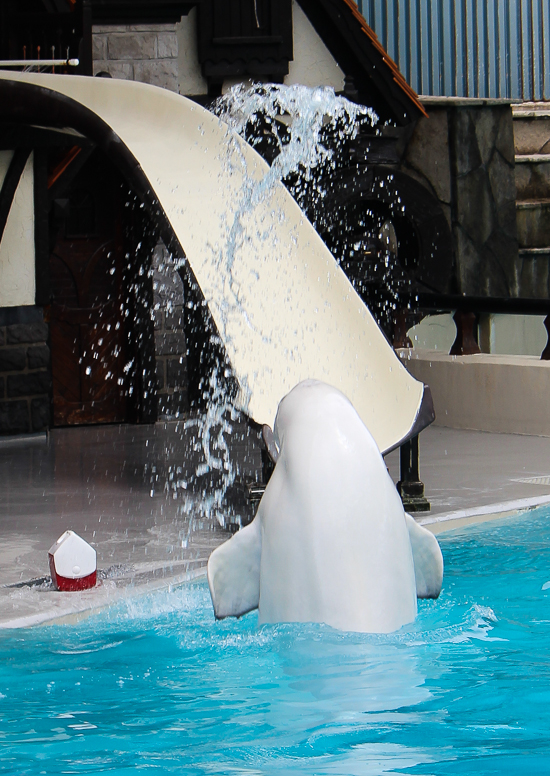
<point x="73" y="563"/>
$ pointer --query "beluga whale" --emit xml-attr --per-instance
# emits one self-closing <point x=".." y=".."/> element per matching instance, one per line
<point x="330" y="542"/>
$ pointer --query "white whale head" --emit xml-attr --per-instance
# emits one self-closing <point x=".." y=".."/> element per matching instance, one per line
<point x="330" y="542"/>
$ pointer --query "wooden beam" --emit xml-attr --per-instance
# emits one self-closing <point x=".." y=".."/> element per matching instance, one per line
<point x="140" y="11"/>
<point x="58" y="184"/>
<point x="60" y="168"/>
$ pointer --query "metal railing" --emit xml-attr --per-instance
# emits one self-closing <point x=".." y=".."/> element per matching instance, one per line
<point x="467" y="48"/>
<point x="30" y="64"/>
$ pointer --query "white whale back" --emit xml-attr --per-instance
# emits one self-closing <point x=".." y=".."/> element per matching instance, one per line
<point x="335" y="546"/>
<point x="330" y="542"/>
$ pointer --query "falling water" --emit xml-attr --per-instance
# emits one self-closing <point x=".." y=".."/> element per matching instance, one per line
<point x="304" y="129"/>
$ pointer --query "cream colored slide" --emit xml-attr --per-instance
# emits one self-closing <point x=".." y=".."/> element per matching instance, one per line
<point x="284" y="309"/>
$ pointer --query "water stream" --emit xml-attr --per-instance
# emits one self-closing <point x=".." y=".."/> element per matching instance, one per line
<point x="305" y="128"/>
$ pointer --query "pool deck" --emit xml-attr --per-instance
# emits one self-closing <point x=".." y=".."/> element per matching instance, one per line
<point x="123" y="488"/>
<point x="473" y="476"/>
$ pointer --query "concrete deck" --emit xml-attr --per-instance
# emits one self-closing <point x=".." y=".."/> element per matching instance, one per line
<point x="470" y="476"/>
<point x="126" y="489"/>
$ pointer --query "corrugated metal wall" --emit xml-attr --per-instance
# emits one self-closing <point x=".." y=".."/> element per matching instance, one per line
<point x="467" y="48"/>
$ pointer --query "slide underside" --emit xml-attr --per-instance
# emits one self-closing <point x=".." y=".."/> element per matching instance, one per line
<point x="283" y="308"/>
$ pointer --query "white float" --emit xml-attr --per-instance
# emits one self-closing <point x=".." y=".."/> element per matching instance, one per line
<point x="73" y="563"/>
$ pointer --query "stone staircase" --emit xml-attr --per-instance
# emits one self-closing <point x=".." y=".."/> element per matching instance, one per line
<point x="532" y="147"/>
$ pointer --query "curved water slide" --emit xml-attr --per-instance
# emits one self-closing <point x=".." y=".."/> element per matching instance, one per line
<point x="283" y="308"/>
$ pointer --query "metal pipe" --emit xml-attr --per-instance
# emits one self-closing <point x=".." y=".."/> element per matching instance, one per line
<point x="38" y="62"/>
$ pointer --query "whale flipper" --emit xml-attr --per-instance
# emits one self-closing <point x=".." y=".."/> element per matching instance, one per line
<point x="428" y="560"/>
<point x="234" y="573"/>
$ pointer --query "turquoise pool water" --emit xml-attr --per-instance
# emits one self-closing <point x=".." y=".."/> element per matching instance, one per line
<point x="158" y="686"/>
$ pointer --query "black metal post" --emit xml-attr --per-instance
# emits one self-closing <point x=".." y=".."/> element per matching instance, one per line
<point x="410" y="487"/>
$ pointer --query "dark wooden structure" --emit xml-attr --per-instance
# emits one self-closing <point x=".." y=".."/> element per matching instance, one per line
<point x="140" y="11"/>
<point x="92" y="252"/>
<point x="57" y="29"/>
<point x="244" y="39"/>
<point x="47" y="29"/>
<point x="90" y="344"/>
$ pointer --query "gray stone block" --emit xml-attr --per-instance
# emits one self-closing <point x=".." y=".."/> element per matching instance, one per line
<point x="151" y="28"/>
<point x="167" y="43"/>
<point x="504" y="142"/>
<point x="475" y="205"/>
<point x="110" y="28"/>
<point x="13" y="359"/>
<point x="27" y="332"/>
<point x="162" y="72"/>
<point x="99" y="46"/>
<point x="174" y="319"/>
<point x="173" y="405"/>
<point x="485" y="269"/>
<point x="14" y="417"/>
<point x="176" y="372"/>
<point x="161" y="382"/>
<point x="534" y="272"/>
<point x="9" y="316"/>
<point x="169" y="343"/>
<point x="158" y="320"/>
<point x="503" y="191"/>
<point x="531" y="135"/>
<point x="484" y="223"/>
<point x="533" y="224"/>
<point x="40" y="414"/>
<point x="487" y="124"/>
<point x="523" y="175"/>
<point x="30" y="384"/>
<point x="533" y="180"/>
<point x="39" y="356"/>
<point x="428" y="153"/>
<point x="471" y="277"/>
<point x="167" y="288"/>
<point x="466" y="149"/>
<point x="132" y="45"/>
<point x="122" y="70"/>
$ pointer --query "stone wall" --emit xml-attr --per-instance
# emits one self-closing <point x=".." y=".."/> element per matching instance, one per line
<point x="143" y="52"/>
<point x="484" y="199"/>
<point x="464" y="154"/>
<point x="170" y="343"/>
<point x="25" y="382"/>
<point x="427" y="159"/>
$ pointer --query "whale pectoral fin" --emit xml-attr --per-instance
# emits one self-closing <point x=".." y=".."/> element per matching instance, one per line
<point x="428" y="560"/>
<point x="234" y="573"/>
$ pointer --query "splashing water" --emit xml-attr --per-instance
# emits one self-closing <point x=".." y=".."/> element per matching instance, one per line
<point x="303" y="124"/>
<point x="305" y="127"/>
<point x="210" y="440"/>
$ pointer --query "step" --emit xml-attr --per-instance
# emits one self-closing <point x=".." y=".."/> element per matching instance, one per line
<point x="531" y="128"/>
<point x="531" y="108"/>
<point x="533" y="223"/>
<point x="536" y="254"/>
<point x="532" y="176"/>
<point x="533" y="273"/>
